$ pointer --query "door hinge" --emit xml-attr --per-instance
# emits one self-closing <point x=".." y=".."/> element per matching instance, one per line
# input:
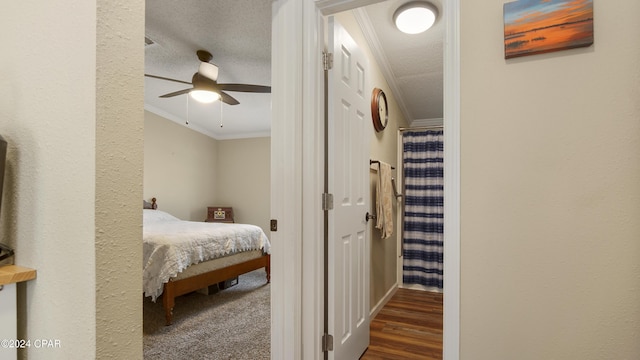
<point x="327" y="201"/>
<point x="327" y="60"/>
<point x="327" y="342"/>
<point x="274" y="225"/>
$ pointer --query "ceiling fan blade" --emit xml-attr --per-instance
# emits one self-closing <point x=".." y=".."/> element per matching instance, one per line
<point x="202" y="82"/>
<point x="176" y="93"/>
<point x="165" y="78"/>
<point x="205" y="79"/>
<point x="228" y="99"/>
<point x="207" y="69"/>
<point x="245" y="88"/>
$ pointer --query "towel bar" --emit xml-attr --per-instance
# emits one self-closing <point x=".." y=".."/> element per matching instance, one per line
<point x="395" y="191"/>
<point x="378" y="162"/>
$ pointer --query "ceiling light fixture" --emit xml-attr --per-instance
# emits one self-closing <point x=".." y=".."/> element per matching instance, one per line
<point x="204" y="96"/>
<point x="415" y="17"/>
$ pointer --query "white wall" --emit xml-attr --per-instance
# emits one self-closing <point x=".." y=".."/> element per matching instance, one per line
<point x="550" y="194"/>
<point x="62" y="194"/>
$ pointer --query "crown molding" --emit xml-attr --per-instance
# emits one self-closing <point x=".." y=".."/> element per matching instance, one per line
<point x="381" y="58"/>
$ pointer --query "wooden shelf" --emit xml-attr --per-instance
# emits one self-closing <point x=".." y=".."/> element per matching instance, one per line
<point x="10" y="274"/>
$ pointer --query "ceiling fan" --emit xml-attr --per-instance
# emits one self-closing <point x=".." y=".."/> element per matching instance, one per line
<point x="205" y="86"/>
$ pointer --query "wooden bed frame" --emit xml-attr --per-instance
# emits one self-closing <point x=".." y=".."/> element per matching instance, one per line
<point x="174" y="288"/>
<point x="183" y="286"/>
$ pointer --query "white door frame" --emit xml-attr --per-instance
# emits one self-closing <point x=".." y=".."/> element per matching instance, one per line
<point x="297" y="138"/>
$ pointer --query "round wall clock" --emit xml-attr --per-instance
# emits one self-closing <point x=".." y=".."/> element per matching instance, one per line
<point x="379" y="109"/>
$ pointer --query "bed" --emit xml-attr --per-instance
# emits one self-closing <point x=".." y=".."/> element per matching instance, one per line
<point x="184" y="256"/>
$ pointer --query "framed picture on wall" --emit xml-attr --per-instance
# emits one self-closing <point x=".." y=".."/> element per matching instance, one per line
<point x="541" y="26"/>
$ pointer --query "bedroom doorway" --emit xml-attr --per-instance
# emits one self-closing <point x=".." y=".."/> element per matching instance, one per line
<point x="199" y="156"/>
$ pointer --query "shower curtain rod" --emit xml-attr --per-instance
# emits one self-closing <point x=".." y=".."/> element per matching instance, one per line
<point x="421" y="128"/>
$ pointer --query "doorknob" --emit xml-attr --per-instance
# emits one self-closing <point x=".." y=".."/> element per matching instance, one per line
<point x="369" y="216"/>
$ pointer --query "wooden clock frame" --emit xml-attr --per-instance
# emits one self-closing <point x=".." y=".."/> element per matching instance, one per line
<point x="379" y="98"/>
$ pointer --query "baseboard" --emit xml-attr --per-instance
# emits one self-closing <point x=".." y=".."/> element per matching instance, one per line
<point x="385" y="299"/>
<point x="421" y="288"/>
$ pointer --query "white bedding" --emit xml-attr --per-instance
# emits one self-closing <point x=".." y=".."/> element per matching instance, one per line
<point x="170" y="245"/>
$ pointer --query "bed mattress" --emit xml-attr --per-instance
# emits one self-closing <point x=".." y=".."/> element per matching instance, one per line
<point x="171" y="246"/>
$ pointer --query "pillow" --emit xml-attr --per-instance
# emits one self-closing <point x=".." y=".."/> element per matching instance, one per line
<point x="155" y="216"/>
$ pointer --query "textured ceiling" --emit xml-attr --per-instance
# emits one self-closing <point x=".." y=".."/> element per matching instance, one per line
<point x="238" y="35"/>
<point x="412" y="64"/>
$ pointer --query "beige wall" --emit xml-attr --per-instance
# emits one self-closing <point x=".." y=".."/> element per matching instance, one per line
<point x="550" y="196"/>
<point x="384" y="255"/>
<point x="244" y="180"/>
<point x="118" y="174"/>
<point x="179" y="168"/>
<point x="74" y="167"/>
<point x="188" y="171"/>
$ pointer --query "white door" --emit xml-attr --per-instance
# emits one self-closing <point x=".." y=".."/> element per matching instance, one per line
<point x="349" y="132"/>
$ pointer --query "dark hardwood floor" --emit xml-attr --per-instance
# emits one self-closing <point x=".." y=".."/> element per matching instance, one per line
<point x="409" y="326"/>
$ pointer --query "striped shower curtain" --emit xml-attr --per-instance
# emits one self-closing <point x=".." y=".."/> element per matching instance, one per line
<point x="423" y="207"/>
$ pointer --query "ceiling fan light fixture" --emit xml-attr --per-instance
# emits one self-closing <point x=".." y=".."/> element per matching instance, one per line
<point x="208" y="70"/>
<point x="204" y="96"/>
<point x="415" y="17"/>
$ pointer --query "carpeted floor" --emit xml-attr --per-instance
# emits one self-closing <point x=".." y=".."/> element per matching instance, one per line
<point x="234" y="323"/>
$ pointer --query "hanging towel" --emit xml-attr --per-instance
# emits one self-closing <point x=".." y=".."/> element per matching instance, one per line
<point x="384" y="201"/>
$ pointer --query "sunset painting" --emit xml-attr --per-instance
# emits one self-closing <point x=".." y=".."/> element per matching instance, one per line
<point x="540" y="26"/>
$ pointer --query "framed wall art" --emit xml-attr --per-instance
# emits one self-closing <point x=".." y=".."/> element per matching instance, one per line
<point x="541" y="26"/>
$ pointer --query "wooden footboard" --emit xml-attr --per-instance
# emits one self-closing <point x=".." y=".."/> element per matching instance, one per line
<point x="187" y="285"/>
